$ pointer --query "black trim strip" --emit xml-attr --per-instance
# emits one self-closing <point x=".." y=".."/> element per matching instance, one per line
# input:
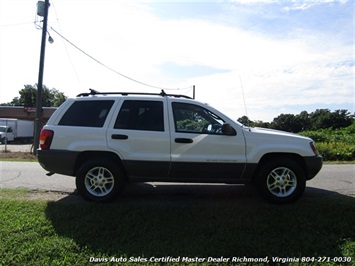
<point x="183" y="140"/>
<point x="119" y="136"/>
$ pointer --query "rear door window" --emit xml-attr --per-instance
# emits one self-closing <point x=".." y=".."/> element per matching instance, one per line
<point x="87" y="113"/>
<point x="141" y="115"/>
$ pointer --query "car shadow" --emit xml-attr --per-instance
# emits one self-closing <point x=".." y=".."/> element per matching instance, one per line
<point x="176" y="191"/>
<point x="192" y="220"/>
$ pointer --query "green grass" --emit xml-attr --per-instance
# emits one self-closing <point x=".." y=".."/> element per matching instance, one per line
<point x="71" y="231"/>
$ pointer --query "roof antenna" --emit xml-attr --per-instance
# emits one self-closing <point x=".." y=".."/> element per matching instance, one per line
<point x="245" y="105"/>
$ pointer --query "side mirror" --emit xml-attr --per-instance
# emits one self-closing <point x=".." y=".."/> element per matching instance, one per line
<point x="228" y="130"/>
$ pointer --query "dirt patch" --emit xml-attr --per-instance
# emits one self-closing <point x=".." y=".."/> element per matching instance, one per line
<point x="45" y="195"/>
<point x="17" y="156"/>
<point x="53" y="196"/>
<point x="42" y="195"/>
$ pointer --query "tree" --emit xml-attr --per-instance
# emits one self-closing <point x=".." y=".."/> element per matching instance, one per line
<point x="58" y="98"/>
<point x="28" y="96"/>
<point x="247" y="122"/>
<point x="244" y="120"/>
<point x="259" y="123"/>
<point x="324" y="118"/>
<point x="341" y="118"/>
<point x="320" y="118"/>
<point x="304" y="120"/>
<point x="287" y="122"/>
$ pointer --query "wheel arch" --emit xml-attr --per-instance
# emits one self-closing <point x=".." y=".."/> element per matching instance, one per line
<point x="88" y="155"/>
<point x="274" y="156"/>
<point x="287" y="184"/>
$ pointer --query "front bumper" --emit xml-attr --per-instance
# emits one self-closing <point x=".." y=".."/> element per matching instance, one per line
<point x="313" y="164"/>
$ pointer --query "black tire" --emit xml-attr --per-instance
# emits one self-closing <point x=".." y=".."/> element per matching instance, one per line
<point x="281" y="181"/>
<point x="99" y="180"/>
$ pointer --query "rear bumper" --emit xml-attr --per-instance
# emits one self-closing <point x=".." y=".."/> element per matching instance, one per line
<point x="58" y="161"/>
<point x="313" y="164"/>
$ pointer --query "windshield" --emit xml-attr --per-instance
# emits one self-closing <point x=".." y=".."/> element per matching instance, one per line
<point x="3" y="129"/>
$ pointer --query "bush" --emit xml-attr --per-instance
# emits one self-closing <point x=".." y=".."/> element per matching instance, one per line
<point x="334" y="145"/>
<point x="336" y="151"/>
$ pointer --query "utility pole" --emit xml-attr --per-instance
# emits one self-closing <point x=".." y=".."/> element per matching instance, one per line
<point x="38" y="119"/>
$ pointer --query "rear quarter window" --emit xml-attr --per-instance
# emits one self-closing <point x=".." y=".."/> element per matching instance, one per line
<point x="87" y="113"/>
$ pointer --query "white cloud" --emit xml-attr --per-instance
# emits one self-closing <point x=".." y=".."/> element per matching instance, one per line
<point x="303" y="69"/>
<point x="250" y="2"/>
<point x="290" y="5"/>
<point x="306" y="4"/>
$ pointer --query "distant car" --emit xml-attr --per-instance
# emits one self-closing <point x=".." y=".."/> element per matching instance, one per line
<point x="6" y="134"/>
<point x="108" y="139"/>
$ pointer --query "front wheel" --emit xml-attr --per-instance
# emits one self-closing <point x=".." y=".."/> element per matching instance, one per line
<point x="99" y="180"/>
<point x="282" y="181"/>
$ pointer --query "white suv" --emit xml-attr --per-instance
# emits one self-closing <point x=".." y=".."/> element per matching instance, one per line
<point x="107" y="139"/>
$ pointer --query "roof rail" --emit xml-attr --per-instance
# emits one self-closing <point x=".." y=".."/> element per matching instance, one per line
<point x="162" y="93"/>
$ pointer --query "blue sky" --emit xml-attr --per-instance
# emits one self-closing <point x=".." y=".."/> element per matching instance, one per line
<point x="286" y="56"/>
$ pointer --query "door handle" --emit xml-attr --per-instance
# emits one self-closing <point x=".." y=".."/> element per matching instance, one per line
<point x="183" y="140"/>
<point x="119" y="136"/>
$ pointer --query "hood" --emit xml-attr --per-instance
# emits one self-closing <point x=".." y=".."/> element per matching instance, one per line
<point x="272" y="132"/>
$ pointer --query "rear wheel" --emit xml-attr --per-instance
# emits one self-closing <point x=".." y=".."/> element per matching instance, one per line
<point x="282" y="181"/>
<point x="99" y="180"/>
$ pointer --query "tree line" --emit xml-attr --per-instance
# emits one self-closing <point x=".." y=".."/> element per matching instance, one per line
<point x="28" y="96"/>
<point x="304" y="121"/>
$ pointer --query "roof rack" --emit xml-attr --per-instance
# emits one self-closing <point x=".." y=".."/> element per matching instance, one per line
<point x="162" y="93"/>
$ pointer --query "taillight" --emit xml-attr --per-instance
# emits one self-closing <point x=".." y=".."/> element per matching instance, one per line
<point x="45" y="139"/>
<point x="314" y="149"/>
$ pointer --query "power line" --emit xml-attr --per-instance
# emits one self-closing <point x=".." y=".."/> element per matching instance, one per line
<point x="111" y="69"/>
<point x="65" y="46"/>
